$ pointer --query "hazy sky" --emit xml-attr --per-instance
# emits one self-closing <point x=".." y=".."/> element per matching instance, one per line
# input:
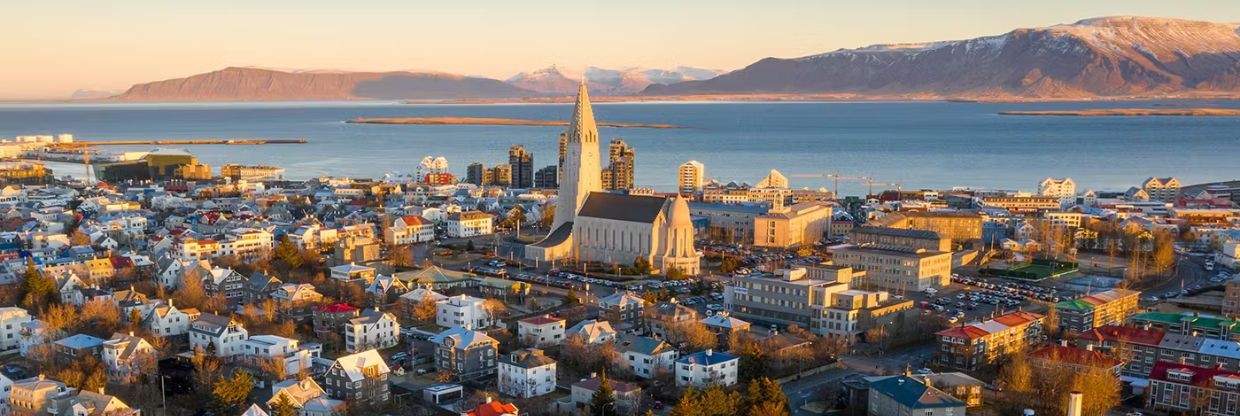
<point x="50" y="48"/>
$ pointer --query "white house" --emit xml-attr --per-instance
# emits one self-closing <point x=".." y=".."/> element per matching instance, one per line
<point x="166" y="320"/>
<point x="127" y="357"/>
<point x="705" y="368"/>
<point x="353" y="272"/>
<point x="464" y="311"/>
<point x="11" y="320"/>
<point x="217" y="335"/>
<point x="306" y="396"/>
<point x="373" y="329"/>
<point x="469" y="224"/>
<point x="288" y="351"/>
<point x="526" y="373"/>
<point x="409" y="229"/>
<point x="592" y="331"/>
<point x="32" y="334"/>
<point x="646" y="356"/>
<point x="541" y="331"/>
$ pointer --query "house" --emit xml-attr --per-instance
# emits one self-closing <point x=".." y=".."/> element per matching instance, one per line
<point x="296" y="295"/>
<point x="706" y="368"/>
<point x="371" y="329"/>
<point x="628" y="395"/>
<point x="260" y="287"/>
<point x="333" y="317"/>
<point x="384" y="285"/>
<point x="666" y="315"/>
<point x="254" y="410"/>
<point x="622" y="306"/>
<point x="468" y="224"/>
<point x="217" y="335"/>
<point x="592" y="331"/>
<point x="225" y="282"/>
<point x="353" y="273"/>
<point x="724" y="326"/>
<point x="645" y="357"/>
<point x="465" y="353"/>
<point x="11" y="320"/>
<point x="77" y="346"/>
<point x="526" y="373"/>
<point x="359" y="378"/>
<point x="306" y="396"/>
<point x="127" y="357"/>
<point x="904" y="395"/>
<point x="260" y="350"/>
<point x="165" y="320"/>
<point x="33" y="334"/>
<point x="541" y="331"/>
<point x="464" y="311"/>
<point x="493" y="408"/>
<point x="1185" y="389"/>
<point x="1074" y="359"/>
<point x="31" y="396"/>
<point x="409" y="229"/>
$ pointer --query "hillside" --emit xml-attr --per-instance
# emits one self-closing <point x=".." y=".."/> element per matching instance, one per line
<point x="1102" y="57"/>
<point x="256" y="84"/>
<point x="603" y="81"/>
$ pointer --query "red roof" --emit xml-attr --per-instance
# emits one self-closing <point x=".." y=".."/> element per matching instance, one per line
<point x="1018" y="318"/>
<point x="493" y="408"/>
<point x="966" y="332"/>
<point x="411" y="220"/>
<point x="1201" y="375"/>
<point x="1151" y="337"/>
<point x="340" y="307"/>
<point x="1073" y="355"/>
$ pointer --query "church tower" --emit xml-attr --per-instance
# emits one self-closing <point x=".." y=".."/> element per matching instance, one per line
<point x="581" y="173"/>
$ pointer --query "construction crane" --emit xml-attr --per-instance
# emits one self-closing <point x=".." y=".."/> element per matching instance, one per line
<point x="836" y="177"/>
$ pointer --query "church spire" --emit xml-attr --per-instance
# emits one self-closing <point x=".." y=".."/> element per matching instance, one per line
<point x="581" y="127"/>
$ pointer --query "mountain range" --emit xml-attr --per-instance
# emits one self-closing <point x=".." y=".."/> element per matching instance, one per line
<point x="1139" y="57"/>
<point x="1107" y="57"/>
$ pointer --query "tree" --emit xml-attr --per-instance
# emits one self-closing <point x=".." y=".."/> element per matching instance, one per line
<point x="425" y="309"/>
<point x="693" y="333"/>
<point x="603" y="403"/>
<point x="674" y="273"/>
<point x="469" y="245"/>
<point x="288" y="253"/>
<point x="571" y="298"/>
<point x="37" y="290"/>
<point x="763" y="396"/>
<point x="641" y="265"/>
<point x="1164" y="252"/>
<point x="728" y="265"/>
<point x="230" y="393"/>
<point x="191" y="293"/>
<point x="283" y="407"/>
<point x="100" y="318"/>
<point x="400" y="255"/>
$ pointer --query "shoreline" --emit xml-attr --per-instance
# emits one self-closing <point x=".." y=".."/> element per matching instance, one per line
<point x="1129" y="112"/>
<point x="494" y="121"/>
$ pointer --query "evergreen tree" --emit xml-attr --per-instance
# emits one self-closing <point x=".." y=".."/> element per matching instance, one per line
<point x="37" y="291"/>
<point x="603" y="403"/>
<point x="283" y="407"/>
<point x="764" y="393"/>
<point x="230" y="393"/>
<point x="571" y="298"/>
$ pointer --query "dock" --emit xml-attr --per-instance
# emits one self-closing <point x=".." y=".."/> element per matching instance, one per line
<point x="179" y="142"/>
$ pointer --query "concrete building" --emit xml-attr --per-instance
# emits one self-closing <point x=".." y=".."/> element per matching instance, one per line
<point x="628" y="395"/>
<point x="899" y="238"/>
<point x="526" y="373"/>
<point x="592" y="332"/>
<point x="127" y="357"/>
<point x="690" y="177"/>
<point x="547" y="177"/>
<point x="469" y="224"/>
<point x="541" y="331"/>
<point x="372" y="329"/>
<point x="646" y="357"/>
<point x="729" y="223"/>
<point x="1185" y="389"/>
<point x="464" y="311"/>
<point x="1161" y="189"/>
<point x="622" y="306"/>
<point x="359" y="378"/>
<point x="897" y="270"/>
<point x="1231" y="299"/>
<point x="11" y="320"/>
<point x="706" y="368"/>
<point x="1022" y="205"/>
<point x="618" y="175"/>
<point x="1111" y="307"/>
<point x="521" y="163"/>
<point x="801" y="224"/>
<point x="1057" y="188"/>
<point x="409" y="229"/>
<point x="907" y="396"/>
<point x="259" y="350"/>
<point x="980" y="344"/>
<point x="466" y="354"/>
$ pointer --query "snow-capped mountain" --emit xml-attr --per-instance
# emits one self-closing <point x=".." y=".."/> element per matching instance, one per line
<point x="1108" y="56"/>
<point x="602" y="81"/>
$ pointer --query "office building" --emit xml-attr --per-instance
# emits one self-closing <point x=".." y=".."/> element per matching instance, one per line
<point x="897" y="270"/>
<point x="787" y="226"/>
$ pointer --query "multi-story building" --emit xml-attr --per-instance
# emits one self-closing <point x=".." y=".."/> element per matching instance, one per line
<point x="521" y="163"/>
<point x="307" y="396"/>
<point x="372" y="329"/>
<point x="706" y="368"/>
<point x="690" y="177"/>
<point x="526" y="373"/>
<point x="464" y="311"/>
<point x="409" y="229"/>
<point x="127" y="357"/>
<point x="907" y="396"/>
<point x="547" y="177"/>
<point x="11" y="320"/>
<point x="1057" y="188"/>
<point x="353" y="273"/>
<point x="469" y="224"/>
<point x="225" y="282"/>
<point x="500" y="175"/>
<point x="618" y="175"/>
<point x="359" y="378"/>
<point x="1231" y="298"/>
<point x="259" y="350"/>
<point x="646" y="357"/>
<point x="165" y="320"/>
<point x="1189" y="324"/>
<point x="899" y="238"/>
<point x="465" y="354"/>
<point x="1111" y="307"/>
<point x="628" y="395"/>
<point x="477" y="174"/>
<point x="792" y="297"/>
<point x="622" y="306"/>
<point x="592" y="331"/>
<point x="246" y="243"/>
<point x="541" y="331"/>
<point x="1022" y="205"/>
<point x="1057" y="356"/>
<point x="729" y="223"/>
<point x="1161" y="189"/>
<point x="959" y="226"/>
<point x="217" y="335"/>
<point x="1186" y="389"/>
<point x="801" y="224"/>
<point x="663" y="317"/>
<point x="980" y="344"/>
<point x="31" y="396"/>
<point x="897" y="270"/>
<point x="1137" y="348"/>
<point x="851" y="313"/>
<point x="725" y="326"/>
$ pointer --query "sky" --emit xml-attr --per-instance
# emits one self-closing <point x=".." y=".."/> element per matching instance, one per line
<point x="48" y="49"/>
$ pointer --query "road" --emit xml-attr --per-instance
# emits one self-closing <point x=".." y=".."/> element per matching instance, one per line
<point x="813" y="388"/>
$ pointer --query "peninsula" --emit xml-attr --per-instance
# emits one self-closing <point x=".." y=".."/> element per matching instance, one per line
<point x="492" y="121"/>
<point x="1115" y="112"/>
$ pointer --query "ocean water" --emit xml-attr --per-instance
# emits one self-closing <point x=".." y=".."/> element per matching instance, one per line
<point x="914" y="144"/>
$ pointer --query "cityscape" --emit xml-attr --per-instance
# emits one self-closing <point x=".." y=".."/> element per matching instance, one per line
<point x="605" y="242"/>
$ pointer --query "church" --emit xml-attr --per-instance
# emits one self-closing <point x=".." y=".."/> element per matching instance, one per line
<point x="591" y="225"/>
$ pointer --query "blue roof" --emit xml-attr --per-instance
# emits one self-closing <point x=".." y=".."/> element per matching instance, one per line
<point x="914" y="394"/>
<point x="706" y="357"/>
<point x="745" y="208"/>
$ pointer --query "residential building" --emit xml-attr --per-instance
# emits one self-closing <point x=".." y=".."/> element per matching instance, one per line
<point x="76" y="347"/>
<point x="491" y="407"/>
<point x="464" y="311"/>
<point x="464" y="353"/>
<point x="646" y="357"/>
<point x="359" y="378"/>
<point x="1111" y="307"/>
<point x="31" y="396"/>
<point x="526" y="373"/>
<point x="521" y="163"/>
<point x="690" y="177"/>
<point x="351" y="273"/>
<point x="724" y="326"/>
<point x="541" y="331"/>
<point x="225" y="282"/>
<point x="665" y="316"/>
<point x="372" y="329"/>
<point x="707" y="368"/>
<point x="805" y="223"/>
<point x="980" y="344"/>
<point x="1189" y="324"/>
<point x="11" y="320"/>
<point x="1137" y="348"/>
<point x="897" y="270"/>
<point x="628" y="395"/>
<point x="1161" y="189"/>
<point x="1231" y="298"/>
<point x="1186" y="389"/>
<point x="907" y="396"/>
<point x="409" y="229"/>
<point x="165" y="320"/>
<point x="127" y="357"/>
<point x="1022" y="205"/>
<point x="469" y="224"/>
<point x="592" y="331"/>
<point x="259" y="351"/>
<point x="1076" y="360"/>
<point x="1057" y="188"/>
<point x="622" y="306"/>
<point x="899" y="238"/>
<point x="303" y="393"/>
<point x="618" y="175"/>
<point x="546" y="178"/>
<point x="477" y="174"/>
<point x="217" y="335"/>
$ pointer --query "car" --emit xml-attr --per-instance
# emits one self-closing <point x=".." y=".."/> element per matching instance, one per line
<point x="953" y="319"/>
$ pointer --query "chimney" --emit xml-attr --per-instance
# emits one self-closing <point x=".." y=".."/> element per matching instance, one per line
<point x="487" y="400"/>
<point x="1063" y="342"/>
<point x="709" y="352"/>
<point x="1089" y="347"/>
<point x="170" y="303"/>
<point x="130" y="333"/>
<point x="1075" y="399"/>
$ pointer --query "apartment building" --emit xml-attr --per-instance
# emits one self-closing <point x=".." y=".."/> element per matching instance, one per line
<point x="1185" y="389"/>
<point x="707" y="368"/>
<point x="980" y="344"/>
<point x="690" y="177"/>
<point x="541" y="331"/>
<point x="31" y="396"/>
<point x="464" y="353"/>
<point x="1189" y="324"/>
<point x="1231" y="297"/>
<point x="11" y="320"/>
<point x="409" y="229"/>
<point x="359" y="378"/>
<point x="468" y="224"/>
<point x="1057" y="188"/>
<point x="1111" y="307"/>
<point x="1137" y="348"/>
<point x="899" y="238"/>
<point x="372" y="329"/>
<point x="225" y="282"/>
<point x="526" y="373"/>
<point x="786" y="226"/>
<point x="646" y="357"/>
<point x="907" y="396"/>
<point x="464" y="311"/>
<point x="1161" y="189"/>
<point x="1022" y="205"/>
<point x="897" y="270"/>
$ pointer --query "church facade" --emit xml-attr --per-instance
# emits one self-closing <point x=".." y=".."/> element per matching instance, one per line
<point x="595" y="226"/>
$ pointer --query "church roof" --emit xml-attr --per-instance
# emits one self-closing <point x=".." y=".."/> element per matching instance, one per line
<point x="619" y="207"/>
<point x="582" y="124"/>
<point x="557" y="236"/>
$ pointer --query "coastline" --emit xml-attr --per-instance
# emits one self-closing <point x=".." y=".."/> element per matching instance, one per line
<point x="494" y="121"/>
<point x="1130" y="112"/>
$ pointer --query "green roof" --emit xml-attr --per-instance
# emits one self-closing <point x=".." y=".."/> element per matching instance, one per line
<point x="1075" y="304"/>
<point x="1197" y="321"/>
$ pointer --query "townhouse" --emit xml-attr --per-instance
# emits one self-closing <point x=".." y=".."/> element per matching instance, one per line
<point x="371" y="329"/>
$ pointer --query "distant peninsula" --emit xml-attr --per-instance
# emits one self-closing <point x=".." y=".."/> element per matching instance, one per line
<point x="492" y="121"/>
<point x="1114" y="112"/>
